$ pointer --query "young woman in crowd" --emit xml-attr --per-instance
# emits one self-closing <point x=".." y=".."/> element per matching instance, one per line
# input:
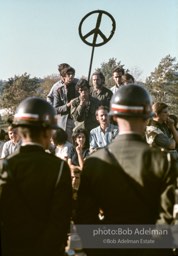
<point x="78" y="154"/>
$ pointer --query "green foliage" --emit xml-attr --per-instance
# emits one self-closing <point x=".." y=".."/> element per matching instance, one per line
<point x="163" y="84"/>
<point x="46" y="85"/>
<point x="16" y="89"/>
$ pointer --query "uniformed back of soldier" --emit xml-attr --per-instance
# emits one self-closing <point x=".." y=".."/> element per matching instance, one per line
<point x="129" y="181"/>
<point x="36" y="197"/>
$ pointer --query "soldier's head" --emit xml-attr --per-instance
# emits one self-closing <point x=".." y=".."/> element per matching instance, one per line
<point x="35" y="119"/>
<point x="131" y="103"/>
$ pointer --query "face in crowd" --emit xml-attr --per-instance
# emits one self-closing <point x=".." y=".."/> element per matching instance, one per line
<point x="117" y="77"/>
<point x="68" y="78"/>
<point x="80" y="139"/>
<point x="84" y="93"/>
<point x="164" y="115"/>
<point x="102" y="117"/>
<point x="13" y="135"/>
<point x="97" y="81"/>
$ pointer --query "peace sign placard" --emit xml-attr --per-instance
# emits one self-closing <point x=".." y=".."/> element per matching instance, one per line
<point x="96" y="33"/>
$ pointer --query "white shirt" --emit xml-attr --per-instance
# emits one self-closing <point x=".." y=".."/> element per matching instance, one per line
<point x="63" y="151"/>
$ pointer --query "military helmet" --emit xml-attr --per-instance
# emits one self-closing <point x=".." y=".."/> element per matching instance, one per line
<point x="131" y="101"/>
<point x="34" y="111"/>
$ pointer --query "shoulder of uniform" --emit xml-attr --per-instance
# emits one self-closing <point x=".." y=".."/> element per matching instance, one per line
<point x="101" y="155"/>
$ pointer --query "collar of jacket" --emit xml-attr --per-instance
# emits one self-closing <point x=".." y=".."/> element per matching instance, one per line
<point x="31" y="147"/>
<point x="130" y="136"/>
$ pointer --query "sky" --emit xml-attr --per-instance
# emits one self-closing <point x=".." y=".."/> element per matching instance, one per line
<point x="37" y="35"/>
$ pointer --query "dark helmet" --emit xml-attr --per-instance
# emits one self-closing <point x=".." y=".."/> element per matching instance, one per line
<point x="34" y="111"/>
<point x="131" y="101"/>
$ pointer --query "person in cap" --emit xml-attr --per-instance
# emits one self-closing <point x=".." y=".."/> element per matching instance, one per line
<point x="36" y="198"/>
<point x="129" y="181"/>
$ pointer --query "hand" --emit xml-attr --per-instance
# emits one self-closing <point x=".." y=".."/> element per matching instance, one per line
<point x="170" y="122"/>
<point x="82" y="101"/>
<point x="3" y="178"/>
<point x="69" y="103"/>
<point x="79" y="149"/>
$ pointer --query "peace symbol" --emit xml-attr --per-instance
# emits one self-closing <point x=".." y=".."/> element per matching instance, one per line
<point x="96" y="31"/>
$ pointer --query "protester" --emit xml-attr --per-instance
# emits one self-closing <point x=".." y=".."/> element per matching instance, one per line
<point x="98" y="89"/>
<point x="63" y="97"/>
<point x="131" y="182"/>
<point x="12" y="144"/>
<point x="77" y="156"/>
<point x="50" y="96"/>
<point x="62" y="146"/>
<point x="80" y="151"/>
<point x="36" y="199"/>
<point x="117" y="75"/>
<point x="161" y="131"/>
<point x="83" y="108"/>
<point x="128" y="79"/>
<point x="103" y="134"/>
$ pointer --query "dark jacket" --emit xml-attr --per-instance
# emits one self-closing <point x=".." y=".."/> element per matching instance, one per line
<point x="35" y="216"/>
<point x="104" y="96"/>
<point x="143" y="194"/>
<point x="84" y="117"/>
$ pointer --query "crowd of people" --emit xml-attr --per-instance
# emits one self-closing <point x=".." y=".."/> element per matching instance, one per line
<point x="86" y="151"/>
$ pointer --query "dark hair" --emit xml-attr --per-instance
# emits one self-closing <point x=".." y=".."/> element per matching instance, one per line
<point x="100" y="74"/>
<point x="82" y="83"/>
<point x="174" y="117"/>
<point x="77" y="133"/>
<point x="105" y="108"/>
<point x="66" y="70"/>
<point x="118" y="70"/>
<point x="59" y="136"/>
<point x="129" y="77"/>
<point x="158" y="107"/>
<point x="62" y="66"/>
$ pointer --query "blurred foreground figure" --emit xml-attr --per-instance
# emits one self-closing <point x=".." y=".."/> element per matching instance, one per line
<point x="36" y="198"/>
<point x="128" y="182"/>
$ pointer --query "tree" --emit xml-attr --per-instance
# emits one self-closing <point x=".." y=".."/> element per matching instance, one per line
<point x="2" y="83"/>
<point x="16" y="89"/>
<point x="107" y="68"/>
<point x="46" y="85"/>
<point x="163" y="83"/>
